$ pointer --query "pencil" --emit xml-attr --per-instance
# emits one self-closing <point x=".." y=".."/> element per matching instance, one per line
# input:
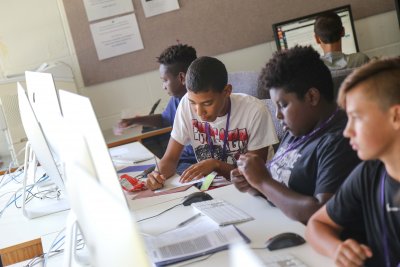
<point x="157" y="168"/>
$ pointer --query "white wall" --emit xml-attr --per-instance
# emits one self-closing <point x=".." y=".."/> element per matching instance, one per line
<point x="43" y="35"/>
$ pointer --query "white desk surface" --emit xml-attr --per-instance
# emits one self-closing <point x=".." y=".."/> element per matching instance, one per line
<point x="269" y="221"/>
<point x="16" y="229"/>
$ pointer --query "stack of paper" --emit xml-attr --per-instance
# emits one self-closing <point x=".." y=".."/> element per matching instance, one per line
<point x="199" y="238"/>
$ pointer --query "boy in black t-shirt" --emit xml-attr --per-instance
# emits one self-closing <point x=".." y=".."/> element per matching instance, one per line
<point x="313" y="158"/>
<point x="371" y="97"/>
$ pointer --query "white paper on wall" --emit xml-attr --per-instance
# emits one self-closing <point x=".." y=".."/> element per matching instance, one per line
<point x="99" y="9"/>
<point x="116" y="36"/>
<point x="155" y="7"/>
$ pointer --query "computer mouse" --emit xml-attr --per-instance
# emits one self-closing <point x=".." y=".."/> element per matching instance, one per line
<point x="196" y="197"/>
<point x="284" y="240"/>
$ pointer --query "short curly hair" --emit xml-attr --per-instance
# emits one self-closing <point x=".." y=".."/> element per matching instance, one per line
<point x="296" y="70"/>
<point x="328" y="27"/>
<point x="177" y="58"/>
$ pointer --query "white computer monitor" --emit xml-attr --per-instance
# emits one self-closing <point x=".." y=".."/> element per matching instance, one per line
<point x="42" y="95"/>
<point x="108" y="227"/>
<point x="300" y="31"/>
<point x="79" y="113"/>
<point x="38" y="151"/>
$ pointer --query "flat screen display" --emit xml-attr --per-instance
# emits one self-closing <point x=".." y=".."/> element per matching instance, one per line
<point x="300" y="31"/>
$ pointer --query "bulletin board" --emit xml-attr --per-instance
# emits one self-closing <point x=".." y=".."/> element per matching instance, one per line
<point x="212" y="27"/>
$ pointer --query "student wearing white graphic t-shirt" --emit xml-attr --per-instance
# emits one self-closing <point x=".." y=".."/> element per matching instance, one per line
<point x="219" y="125"/>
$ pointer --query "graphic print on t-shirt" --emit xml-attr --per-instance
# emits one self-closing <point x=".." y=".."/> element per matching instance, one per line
<point x="282" y="169"/>
<point x="236" y="143"/>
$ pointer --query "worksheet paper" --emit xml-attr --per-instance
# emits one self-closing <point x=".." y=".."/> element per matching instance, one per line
<point x="173" y="182"/>
<point x="135" y="154"/>
<point x="198" y="238"/>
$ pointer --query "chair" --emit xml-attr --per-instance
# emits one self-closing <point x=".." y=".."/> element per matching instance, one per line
<point x="278" y="126"/>
<point x="246" y="82"/>
<point x="338" y="77"/>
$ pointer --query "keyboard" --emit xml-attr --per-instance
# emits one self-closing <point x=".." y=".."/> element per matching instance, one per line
<point x="283" y="260"/>
<point x="221" y="212"/>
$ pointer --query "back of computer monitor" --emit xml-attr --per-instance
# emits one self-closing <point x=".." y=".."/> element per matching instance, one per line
<point x="79" y="113"/>
<point x="42" y="95"/>
<point x="40" y="149"/>
<point x="108" y="228"/>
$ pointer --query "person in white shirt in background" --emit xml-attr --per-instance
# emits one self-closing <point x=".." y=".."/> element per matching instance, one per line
<point x="329" y="30"/>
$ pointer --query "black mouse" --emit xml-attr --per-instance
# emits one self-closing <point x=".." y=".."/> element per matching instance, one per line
<point x="196" y="197"/>
<point x="284" y="240"/>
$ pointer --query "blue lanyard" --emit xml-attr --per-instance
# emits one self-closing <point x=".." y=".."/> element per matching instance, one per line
<point x="303" y="139"/>
<point x="208" y="133"/>
<point x="384" y="230"/>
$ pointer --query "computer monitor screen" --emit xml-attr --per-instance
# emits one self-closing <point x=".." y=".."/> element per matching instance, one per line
<point x="78" y="112"/>
<point x="397" y="4"/>
<point x="108" y="227"/>
<point x="300" y="31"/>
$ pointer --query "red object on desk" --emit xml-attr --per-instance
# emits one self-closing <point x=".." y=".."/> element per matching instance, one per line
<point x="131" y="184"/>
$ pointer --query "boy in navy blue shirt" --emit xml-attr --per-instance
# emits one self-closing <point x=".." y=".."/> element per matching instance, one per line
<point x="174" y="62"/>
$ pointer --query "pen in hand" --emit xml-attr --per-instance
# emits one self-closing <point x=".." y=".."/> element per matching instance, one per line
<point x="156" y="179"/>
<point x="157" y="168"/>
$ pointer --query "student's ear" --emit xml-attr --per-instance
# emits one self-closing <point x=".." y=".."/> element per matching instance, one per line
<point x="395" y="114"/>
<point x="181" y="77"/>
<point x="228" y="89"/>
<point x="317" y="40"/>
<point x="313" y="96"/>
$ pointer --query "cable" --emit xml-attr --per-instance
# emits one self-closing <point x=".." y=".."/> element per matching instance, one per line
<point x="46" y="256"/>
<point x="159" y="213"/>
<point x="39" y="259"/>
<point x="13" y="199"/>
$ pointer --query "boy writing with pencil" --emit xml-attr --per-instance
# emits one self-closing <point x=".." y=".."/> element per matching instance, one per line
<point x="218" y="124"/>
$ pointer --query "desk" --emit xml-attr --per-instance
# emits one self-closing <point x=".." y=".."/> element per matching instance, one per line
<point x="20" y="236"/>
<point x="269" y="221"/>
<point x="131" y="135"/>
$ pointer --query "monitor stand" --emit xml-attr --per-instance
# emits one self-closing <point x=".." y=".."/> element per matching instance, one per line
<point x="71" y="256"/>
<point x="42" y="207"/>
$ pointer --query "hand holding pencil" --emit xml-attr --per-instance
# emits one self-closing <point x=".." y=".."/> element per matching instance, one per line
<point x="155" y="180"/>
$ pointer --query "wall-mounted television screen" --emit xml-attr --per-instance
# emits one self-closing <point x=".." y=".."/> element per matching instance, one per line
<point x="300" y="31"/>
